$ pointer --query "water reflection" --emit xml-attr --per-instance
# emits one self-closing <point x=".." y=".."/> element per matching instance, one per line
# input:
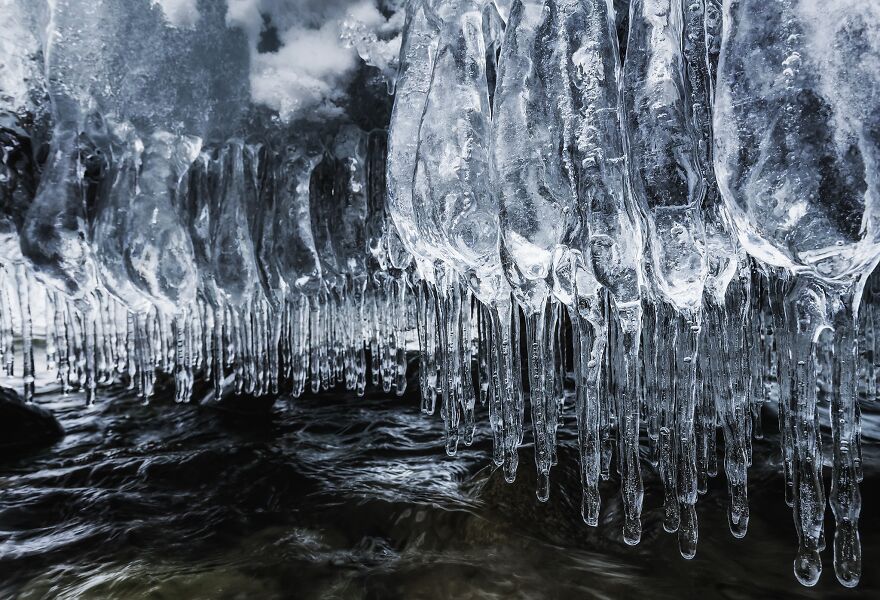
<point x="339" y="497"/>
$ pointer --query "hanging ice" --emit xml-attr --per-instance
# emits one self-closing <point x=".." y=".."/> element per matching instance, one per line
<point x="796" y="150"/>
<point x="691" y="219"/>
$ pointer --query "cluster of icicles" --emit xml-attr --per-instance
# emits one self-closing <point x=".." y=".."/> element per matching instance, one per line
<point x="265" y="305"/>
<point x="633" y="196"/>
<point x="540" y="206"/>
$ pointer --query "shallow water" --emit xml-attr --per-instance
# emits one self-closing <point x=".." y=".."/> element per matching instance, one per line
<point x="334" y="496"/>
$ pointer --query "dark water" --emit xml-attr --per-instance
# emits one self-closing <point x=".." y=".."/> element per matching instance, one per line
<point x="333" y="496"/>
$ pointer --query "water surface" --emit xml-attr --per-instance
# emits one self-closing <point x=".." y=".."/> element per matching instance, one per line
<point x="334" y="496"/>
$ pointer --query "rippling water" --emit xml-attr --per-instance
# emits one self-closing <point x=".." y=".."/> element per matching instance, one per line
<point x="333" y="496"/>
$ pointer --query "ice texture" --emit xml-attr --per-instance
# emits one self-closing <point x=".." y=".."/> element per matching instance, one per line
<point x="796" y="113"/>
<point x="655" y="216"/>
<point x="795" y="156"/>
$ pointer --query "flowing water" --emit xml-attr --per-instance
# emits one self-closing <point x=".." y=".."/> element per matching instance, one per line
<point x="334" y="496"/>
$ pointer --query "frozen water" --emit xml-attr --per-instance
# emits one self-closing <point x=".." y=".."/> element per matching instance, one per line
<point x="656" y="215"/>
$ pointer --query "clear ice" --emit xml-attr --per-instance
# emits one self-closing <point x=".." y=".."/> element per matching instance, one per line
<point x="658" y="215"/>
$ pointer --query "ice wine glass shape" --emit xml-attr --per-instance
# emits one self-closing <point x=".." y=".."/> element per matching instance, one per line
<point x="419" y="44"/>
<point x="451" y="187"/>
<point x="667" y="188"/>
<point x="417" y="53"/>
<point x="21" y="80"/>
<point x="359" y="153"/>
<point x="456" y="212"/>
<point x="192" y="203"/>
<point x="339" y="212"/>
<point x="608" y="238"/>
<point x="796" y="154"/>
<point x="55" y="232"/>
<point x="534" y="175"/>
<point x="271" y="311"/>
<point x="324" y="194"/>
<point x="138" y="263"/>
<point x="350" y="150"/>
<point x="723" y="359"/>
<point x="413" y="161"/>
<point x="16" y="193"/>
<point x="167" y="83"/>
<point x="233" y="257"/>
<point x="143" y="82"/>
<point x="387" y="265"/>
<point x="296" y="253"/>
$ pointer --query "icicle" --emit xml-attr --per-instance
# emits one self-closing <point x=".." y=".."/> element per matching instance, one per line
<point x="589" y="344"/>
<point x="285" y="357"/>
<point x="845" y="496"/>
<point x="756" y="365"/>
<point x="467" y="396"/>
<point x="652" y="390"/>
<point x="687" y="342"/>
<point x="131" y="362"/>
<point x="237" y="352"/>
<point x="51" y="331"/>
<point x="490" y="376"/>
<point x="101" y="349"/>
<point x="427" y="333"/>
<point x="246" y="349"/>
<point x="517" y="375"/>
<point x="197" y="339"/>
<point x="448" y="307"/>
<point x="552" y="389"/>
<point x="483" y="360"/>
<point x="117" y="342"/>
<point x="219" y="350"/>
<point x="665" y="356"/>
<point x="302" y="350"/>
<point x="274" y="333"/>
<point x="737" y="451"/>
<point x="400" y="334"/>
<point x="376" y="349"/>
<point x="388" y="341"/>
<point x="324" y="343"/>
<point x="536" y="342"/>
<point x="805" y="314"/>
<point x="88" y="319"/>
<point x="507" y="384"/>
<point x="62" y="324"/>
<point x="629" y="321"/>
<point x="560" y="359"/>
<point x="607" y="408"/>
<point x="314" y="345"/>
<point x="702" y="427"/>
<point x="23" y="285"/>
<point x="8" y="336"/>
<point x="183" y="376"/>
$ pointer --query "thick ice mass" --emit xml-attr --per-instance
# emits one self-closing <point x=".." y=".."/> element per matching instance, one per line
<point x="659" y="216"/>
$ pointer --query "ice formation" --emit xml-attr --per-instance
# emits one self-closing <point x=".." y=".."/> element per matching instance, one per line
<point x="660" y="214"/>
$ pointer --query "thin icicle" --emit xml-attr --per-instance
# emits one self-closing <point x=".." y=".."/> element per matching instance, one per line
<point x="23" y="285"/>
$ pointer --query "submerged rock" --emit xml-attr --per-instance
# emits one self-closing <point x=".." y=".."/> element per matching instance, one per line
<point x="24" y="425"/>
<point x="231" y="402"/>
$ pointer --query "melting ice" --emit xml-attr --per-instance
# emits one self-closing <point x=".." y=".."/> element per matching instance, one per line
<point x="660" y="215"/>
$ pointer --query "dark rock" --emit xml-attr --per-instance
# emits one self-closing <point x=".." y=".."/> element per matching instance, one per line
<point x="230" y="402"/>
<point x="25" y="425"/>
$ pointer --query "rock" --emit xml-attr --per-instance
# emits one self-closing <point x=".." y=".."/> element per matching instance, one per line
<point x="230" y="402"/>
<point x="25" y="425"/>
